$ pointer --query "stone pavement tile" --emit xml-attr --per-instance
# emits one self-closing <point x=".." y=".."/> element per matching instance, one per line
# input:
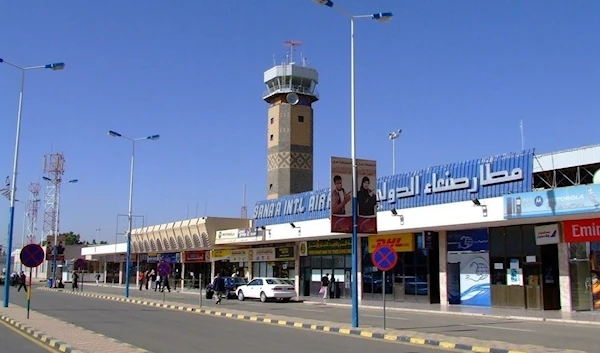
<point x="74" y="336"/>
<point x="464" y="343"/>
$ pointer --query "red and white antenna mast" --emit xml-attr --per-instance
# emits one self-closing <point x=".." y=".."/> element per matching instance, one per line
<point x="291" y="44"/>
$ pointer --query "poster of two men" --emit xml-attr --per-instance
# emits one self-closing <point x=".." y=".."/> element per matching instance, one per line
<point x="341" y="195"/>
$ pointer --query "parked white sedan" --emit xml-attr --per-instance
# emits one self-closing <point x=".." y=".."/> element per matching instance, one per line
<point x="267" y="288"/>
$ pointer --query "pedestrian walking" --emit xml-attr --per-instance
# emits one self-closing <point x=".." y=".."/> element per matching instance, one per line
<point x="75" y="281"/>
<point x="22" y="282"/>
<point x="219" y="287"/>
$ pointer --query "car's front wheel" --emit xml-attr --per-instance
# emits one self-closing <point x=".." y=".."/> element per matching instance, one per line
<point x="240" y="295"/>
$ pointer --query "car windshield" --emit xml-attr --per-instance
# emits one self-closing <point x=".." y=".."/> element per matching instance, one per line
<point x="275" y="281"/>
<point x="238" y="280"/>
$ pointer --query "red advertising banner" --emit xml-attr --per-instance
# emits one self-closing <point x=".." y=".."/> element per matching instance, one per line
<point x="196" y="256"/>
<point x="341" y="195"/>
<point x="582" y="230"/>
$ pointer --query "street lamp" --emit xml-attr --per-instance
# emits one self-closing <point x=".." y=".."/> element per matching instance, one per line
<point x="56" y="225"/>
<point x="393" y="136"/>
<point x="13" y="188"/>
<point x="130" y="212"/>
<point x="379" y="17"/>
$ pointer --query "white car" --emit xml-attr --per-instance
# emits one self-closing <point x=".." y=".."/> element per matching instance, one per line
<point x="266" y="288"/>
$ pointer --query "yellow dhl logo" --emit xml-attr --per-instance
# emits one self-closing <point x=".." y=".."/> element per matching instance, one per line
<point x="391" y="242"/>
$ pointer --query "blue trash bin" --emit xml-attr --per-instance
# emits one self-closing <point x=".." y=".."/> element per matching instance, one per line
<point x="50" y="282"/>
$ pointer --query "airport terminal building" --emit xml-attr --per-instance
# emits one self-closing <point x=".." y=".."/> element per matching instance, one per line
<point x="516" y="230"/>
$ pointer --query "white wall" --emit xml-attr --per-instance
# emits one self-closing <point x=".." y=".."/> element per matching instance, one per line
<point x="104" y="249"/>
<point x="458" y="215"/>
<point x="441" y="217"/>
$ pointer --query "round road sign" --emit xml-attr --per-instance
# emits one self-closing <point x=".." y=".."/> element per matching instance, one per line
<point x="80" y="263"/>
<point x="164" y="269"/>
<point x="384" y="258"/>
<point x="32" y="255"/>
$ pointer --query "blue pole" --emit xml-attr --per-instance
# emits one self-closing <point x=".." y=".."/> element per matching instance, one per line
<point x="354" y="182"/>
<point x="128" y="265"/>
<point x="11" y="220"/>
<point x="130" y="220"/>
<point x="54" y="263"/>
<point x="354" y="262"/>
<point x="13" y="192"/>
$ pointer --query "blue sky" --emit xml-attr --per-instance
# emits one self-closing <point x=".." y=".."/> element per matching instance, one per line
<point x="456" y="76"/>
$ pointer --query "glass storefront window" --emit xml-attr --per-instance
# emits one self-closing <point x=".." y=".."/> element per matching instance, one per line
<point x="514" y="246"/>
<point x="409" y="279"/>
<point x="529" y="245"/>
<point x="337" y="265"/>
<point x="578" y="251"/>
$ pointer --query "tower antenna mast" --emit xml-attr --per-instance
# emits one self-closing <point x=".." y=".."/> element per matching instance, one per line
<point x="291" y="44"/>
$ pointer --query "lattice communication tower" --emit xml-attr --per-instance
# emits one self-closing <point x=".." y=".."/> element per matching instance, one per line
<point x="33" y="205"/>
<point x="54" y="169"/>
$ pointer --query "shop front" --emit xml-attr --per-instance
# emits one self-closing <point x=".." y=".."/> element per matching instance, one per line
<point x="583" y="237"/>
<point x="468" y="267"/>
<point x="322" y="257"/>
<point x="273" y="261"/>
<point x="196" y="267"/>
<point x="410" y="280"/>
<point x="231" y="262"/>
<point x="236" y="259"/>
<point x="524" y="266"/>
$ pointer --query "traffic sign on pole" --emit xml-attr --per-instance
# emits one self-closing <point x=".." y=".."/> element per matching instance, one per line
<point x="32" y="255"/>
<point x="80" y="263"/>
<point x="164" y="269"/>
<point x="384" y="258"/>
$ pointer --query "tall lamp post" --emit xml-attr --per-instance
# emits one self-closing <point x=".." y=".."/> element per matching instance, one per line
<point x="56" y="226"/>
<point x="380" y="17"/>
<point x="130" y="211"/>
<point x="13" y="187"/>
<point x="393" y="136"/>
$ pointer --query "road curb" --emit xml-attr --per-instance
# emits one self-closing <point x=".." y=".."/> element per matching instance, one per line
<point x="301" y="325"/>
<point x="40" y="336"/>
<point x="438" y="312"/>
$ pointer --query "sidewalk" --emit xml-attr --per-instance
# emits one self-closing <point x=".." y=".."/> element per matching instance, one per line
<point x="61" y="335"/>
<point x="409" y="305"/>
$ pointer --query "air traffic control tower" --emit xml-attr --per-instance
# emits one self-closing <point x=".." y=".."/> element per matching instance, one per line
<point x="291" y="91"/>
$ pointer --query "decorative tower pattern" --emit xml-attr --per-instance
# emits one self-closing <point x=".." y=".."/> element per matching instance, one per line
<point x="54" y="169"/>
<point x="291" y="90"/>
<point x="33" y="205"/>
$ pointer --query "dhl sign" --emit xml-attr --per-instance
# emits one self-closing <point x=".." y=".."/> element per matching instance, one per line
<point x="400" y="242"/>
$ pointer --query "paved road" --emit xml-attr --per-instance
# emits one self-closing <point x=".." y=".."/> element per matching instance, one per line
<point x="166" y="331"/>
<point x="554" y="335"/>
<point x="12" y="342"/>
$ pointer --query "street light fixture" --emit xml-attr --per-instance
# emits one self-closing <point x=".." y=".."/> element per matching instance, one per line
<point x="393" y="136"/>
<point x="379" y="17"/>
<point x="13" y="187"/>
<point x="130" y="212"/>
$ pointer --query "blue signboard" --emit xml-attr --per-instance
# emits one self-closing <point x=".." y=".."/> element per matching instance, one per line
<point x="170" y="258"/>
<point x="480" y="178"/>
<point x="553" y="202"/>
<point x="468" y="240"/>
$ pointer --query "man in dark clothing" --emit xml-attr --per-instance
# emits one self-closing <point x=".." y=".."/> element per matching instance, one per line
<point x="22" y="282"/>
<point x="219" y="287"/>
<point x="165" y="284"/>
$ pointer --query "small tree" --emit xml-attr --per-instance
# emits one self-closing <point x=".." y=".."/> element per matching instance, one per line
<point x="71" y="238"/>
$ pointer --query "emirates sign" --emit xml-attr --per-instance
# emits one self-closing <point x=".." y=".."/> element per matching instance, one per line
<point x="582" y="230"/>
